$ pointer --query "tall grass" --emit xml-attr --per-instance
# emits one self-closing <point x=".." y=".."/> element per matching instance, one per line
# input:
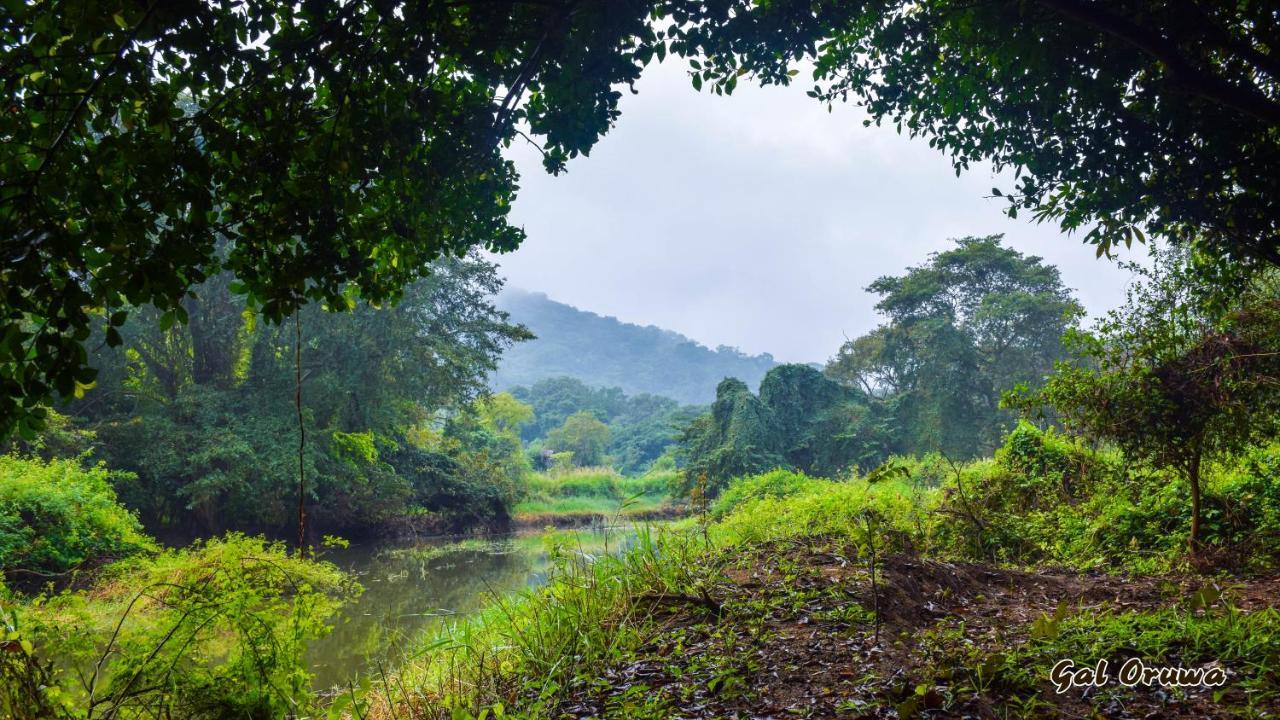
<point x="592" y="491"/>
<point x="522" y="652"/>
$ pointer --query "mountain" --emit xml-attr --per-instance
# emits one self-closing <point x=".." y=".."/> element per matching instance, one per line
<point x="606" y="352"/>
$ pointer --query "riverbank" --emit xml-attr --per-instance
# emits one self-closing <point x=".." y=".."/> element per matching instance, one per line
<point x="870" y="598"/>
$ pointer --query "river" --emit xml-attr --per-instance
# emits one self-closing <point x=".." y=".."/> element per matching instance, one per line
<point x="415" y="588"/>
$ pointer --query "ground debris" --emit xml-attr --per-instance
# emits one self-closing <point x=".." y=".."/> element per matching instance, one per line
<point x="791" y="636"/>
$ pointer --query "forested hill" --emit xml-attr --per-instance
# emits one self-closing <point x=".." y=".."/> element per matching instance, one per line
<point x="603" y="351"/>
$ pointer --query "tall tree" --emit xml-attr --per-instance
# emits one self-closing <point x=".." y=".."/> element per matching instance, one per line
<point x="961" y="329"/>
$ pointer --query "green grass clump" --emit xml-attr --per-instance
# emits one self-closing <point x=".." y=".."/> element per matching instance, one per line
<point x="58" y="515"/>
<point x="592" y="491"/>
<point x="775" y="484"/>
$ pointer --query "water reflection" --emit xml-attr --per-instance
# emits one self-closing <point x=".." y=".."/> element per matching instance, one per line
<point x="412" y="589"/>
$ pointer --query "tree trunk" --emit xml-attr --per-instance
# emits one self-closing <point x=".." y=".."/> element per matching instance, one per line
<point x="302" y="436"/>
<point x="1193" y="478"/>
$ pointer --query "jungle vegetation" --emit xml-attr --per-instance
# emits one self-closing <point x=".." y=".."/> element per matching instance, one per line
<point x="227" y="227"/>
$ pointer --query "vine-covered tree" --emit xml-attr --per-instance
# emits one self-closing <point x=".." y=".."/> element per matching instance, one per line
<point x="800" y="420"/>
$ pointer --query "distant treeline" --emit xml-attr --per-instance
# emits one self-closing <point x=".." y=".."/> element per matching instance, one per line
<point x="600" y="425"/>
<point x="605" y="352"/>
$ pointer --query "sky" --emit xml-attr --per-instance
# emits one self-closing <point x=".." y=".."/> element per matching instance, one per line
<point x="757" y="220"/>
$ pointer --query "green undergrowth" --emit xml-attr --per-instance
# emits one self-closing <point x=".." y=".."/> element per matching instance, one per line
<point x="592" y="491"/>
<point x="56" y="516"/>
<point x="216" y="630"/>
<point x="1042" y="500"/>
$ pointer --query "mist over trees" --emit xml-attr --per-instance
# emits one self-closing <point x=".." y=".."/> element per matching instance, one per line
<point x="605" y="352"/>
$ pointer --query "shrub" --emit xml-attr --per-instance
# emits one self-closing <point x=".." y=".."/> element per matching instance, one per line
<point x="822" y="507"/>
<point x="213" y="631"/>
<point x="57" y="515"/>
<point x="772" y="484"/>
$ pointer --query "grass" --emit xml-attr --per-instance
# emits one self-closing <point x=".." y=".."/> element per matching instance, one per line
<point x="586" y="493"/>
<point x="706" y="616"/>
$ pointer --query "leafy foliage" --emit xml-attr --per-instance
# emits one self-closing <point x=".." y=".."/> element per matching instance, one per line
<point x="57" y="515"/>
<point x="581" y="435"/>
<point x="964" y="327"/>
<point x="1181" y="374"/>
<point x="1117" y="118"/>
<point x="801" y="420"/>
<point x="333" y="149"/>
<point x="641" y="427"/>
<point x="216" y="630"/>
<point x="203" y="413"/>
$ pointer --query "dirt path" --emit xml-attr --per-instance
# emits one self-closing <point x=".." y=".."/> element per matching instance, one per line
<point x="790" y="631"/>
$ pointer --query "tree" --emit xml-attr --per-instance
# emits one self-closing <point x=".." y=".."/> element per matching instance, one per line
<point x="1116" y="118"/>
<point x="800" y="420"/>
<point x="1186" y="372"/>
<point x="967" y="325"/>
<point x="823" y="427"/>
<point x="738" y="437"/>
<point x="584" y="436"/>
<point x="217" y="448"/>
<point x="328" y="149"/>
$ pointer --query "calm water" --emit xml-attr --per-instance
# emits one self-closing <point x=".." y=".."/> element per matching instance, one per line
<point x="416" y="588"/>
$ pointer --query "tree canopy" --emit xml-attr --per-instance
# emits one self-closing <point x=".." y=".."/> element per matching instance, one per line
<point x="961" y="329"/>
<point x="1122" y="119"/>
<point x="316" y="151"/>
<point x="333" y="150"/>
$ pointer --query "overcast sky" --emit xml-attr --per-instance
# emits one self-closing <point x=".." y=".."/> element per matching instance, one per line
<point x="757" y="220"/>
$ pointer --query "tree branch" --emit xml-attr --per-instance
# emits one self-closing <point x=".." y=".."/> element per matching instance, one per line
<point x="1194" y="79"/>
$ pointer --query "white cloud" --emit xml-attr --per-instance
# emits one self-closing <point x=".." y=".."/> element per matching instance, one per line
<point x="756" y="220"/>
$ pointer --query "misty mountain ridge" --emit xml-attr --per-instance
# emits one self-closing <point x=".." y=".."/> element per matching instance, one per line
<point x="606" y="352"/>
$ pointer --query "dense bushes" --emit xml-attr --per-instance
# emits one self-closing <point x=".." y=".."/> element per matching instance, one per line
<point x="56" y="515"/>
<point x="1043" y="498"/>
<point x="214" y="631"/>
<point x="1048" y="498"/>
